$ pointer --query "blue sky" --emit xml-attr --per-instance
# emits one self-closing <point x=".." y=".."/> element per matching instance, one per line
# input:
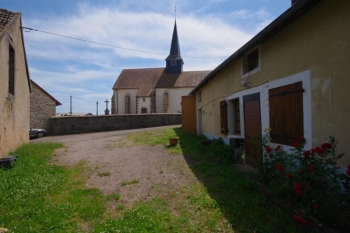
<point x="209" y="31"/>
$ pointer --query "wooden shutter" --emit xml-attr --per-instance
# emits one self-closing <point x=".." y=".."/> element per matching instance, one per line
<point x="223" y="117"/>
<point x="286" y="113"/>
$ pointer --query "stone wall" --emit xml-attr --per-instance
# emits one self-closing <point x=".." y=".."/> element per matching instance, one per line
<point x="88" y="124"/>
<point x="42" y="107"/>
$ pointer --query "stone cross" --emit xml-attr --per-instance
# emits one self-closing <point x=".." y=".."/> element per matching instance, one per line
<point x="106" y="111"/>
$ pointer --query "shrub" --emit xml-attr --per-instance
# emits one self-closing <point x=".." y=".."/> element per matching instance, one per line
<point x="222" y="151"/>
<point x="308" y="178"/>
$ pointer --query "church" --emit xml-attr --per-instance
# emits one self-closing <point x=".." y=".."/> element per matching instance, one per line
<point x="155" y="90"/>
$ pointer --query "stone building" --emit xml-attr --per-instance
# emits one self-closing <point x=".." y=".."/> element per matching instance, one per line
<point x="155" y="90"/>
<point x="14" y="84"/>
<point x="42" y="107"/>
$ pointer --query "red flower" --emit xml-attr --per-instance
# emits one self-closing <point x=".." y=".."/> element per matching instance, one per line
<point x="313" y="150"/>
<point x="311" y="169"/>
<point x="300" y="220"/>
<point x="280" y="167"/>
<point x="348" y="171"/>
<point x="314" y="206"/>
<point x="268" y="148"/>
<point x="307" y="154"/>
<point x="303" y="185"/>
<point x="297" y="189"/>
<point x="326" y="145"/>
<point x="296" y="144"/>
<point x="277" y="148"/>
<point x="289" y="176"/>
<point x="300" y="138"/>
<point x="319" y="150"/>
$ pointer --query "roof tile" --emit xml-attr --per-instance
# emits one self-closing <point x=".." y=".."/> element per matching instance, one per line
<point x="149" y="78"/>
<point x="5" y="17"/>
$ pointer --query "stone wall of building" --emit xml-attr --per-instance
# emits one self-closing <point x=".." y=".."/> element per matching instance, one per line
<point x="42" y="107"/>
<point x="88" y="124"/>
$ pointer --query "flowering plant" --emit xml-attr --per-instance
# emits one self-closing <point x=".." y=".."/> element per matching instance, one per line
<point x="308" y="178"/>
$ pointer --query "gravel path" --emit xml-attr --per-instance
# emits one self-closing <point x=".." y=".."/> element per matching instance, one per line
<point x="114" y="162"/>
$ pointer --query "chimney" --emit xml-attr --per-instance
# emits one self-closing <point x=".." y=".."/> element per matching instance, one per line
<point x="294" y="1"/>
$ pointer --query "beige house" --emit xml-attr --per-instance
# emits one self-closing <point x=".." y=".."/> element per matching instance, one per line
<point x="155" y="90"/>
<point x="15" y="84"/>
<point x="42" y="107"/>
<point x="293" y="77"/>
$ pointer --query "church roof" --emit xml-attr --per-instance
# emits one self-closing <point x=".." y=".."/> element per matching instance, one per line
<point x="175" y="46"/>
<point x="135" y="78"/>
<point x="184" y="79"/>
<point x="147" y="79"/>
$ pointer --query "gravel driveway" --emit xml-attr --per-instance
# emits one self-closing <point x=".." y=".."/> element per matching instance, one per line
<point x="115" y="165"/>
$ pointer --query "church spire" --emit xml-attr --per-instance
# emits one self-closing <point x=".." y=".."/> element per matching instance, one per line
<point x="174" y="61"/>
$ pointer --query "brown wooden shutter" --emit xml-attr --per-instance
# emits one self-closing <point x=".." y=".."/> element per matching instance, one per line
<point x="223" y="117"/>
<point x="286" y="113"/>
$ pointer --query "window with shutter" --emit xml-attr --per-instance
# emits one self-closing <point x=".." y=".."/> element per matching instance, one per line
<point x="286" y="113"/>
<point x="223" y="117"/>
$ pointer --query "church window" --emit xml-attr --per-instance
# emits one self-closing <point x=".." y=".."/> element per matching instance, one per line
<point x="127" y="103"/>
<point x="11" y="71"/>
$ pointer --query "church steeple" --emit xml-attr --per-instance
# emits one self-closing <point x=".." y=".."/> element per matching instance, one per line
<point x="174" y="61"/>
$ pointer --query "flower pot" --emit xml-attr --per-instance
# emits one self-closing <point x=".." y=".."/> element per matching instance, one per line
<point x="173" y="141"/>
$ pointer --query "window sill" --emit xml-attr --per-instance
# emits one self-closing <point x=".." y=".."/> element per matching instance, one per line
<point x="249" y="73"/>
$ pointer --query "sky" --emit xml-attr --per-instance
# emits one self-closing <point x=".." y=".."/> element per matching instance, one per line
<point x="129" y="34"/>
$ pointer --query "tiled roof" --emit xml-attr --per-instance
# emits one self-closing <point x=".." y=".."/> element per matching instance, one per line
<point x="135" y="78"/>
<point x="184" y="79"/>
<point x="5" y="17"/>
<point x="149" y="78"/>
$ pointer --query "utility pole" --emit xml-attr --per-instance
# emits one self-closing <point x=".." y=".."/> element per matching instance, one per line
<point x="70" y="113"/>
<point x="96" y="108"/>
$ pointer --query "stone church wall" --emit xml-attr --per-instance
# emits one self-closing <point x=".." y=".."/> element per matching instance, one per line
<point x="88" y="124"/>
<point x="42" y="108"/>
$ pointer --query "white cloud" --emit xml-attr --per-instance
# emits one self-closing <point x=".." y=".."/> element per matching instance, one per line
<point x="83" y="63"/>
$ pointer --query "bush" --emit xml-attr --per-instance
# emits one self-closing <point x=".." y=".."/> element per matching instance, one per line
<point x="310" y="179"/>
<point x="220" y="150"/>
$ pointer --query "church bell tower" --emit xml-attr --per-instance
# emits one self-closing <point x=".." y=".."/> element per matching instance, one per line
<point x="174" y="62"/>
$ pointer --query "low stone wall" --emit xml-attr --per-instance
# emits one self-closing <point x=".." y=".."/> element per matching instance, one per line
<point x="88" y="124"/>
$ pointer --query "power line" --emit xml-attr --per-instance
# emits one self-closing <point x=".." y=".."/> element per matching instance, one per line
<point x="113" y="46"/>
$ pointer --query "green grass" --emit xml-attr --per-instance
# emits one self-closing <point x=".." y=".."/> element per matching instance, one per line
<point x="130" y="182"/>
<point x="37" y="196"/>
<point x="104" y="174"/>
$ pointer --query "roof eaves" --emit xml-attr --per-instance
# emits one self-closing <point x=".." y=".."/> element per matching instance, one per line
<point x="290" y="15"/>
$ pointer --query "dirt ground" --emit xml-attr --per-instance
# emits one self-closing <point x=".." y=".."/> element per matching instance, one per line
<point x="113" y="161"/>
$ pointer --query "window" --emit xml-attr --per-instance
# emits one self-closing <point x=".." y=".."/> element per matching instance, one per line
<point x="127" y="103"/>
<point x="286" y="113"/>
<point x="236" y="117"/>
<point x="173" y="62"/>
<point x="143" y="99"/>
<point x="11" y="70"/>
<point x="251" y="61"/>
<point x="223" y="117"/>
<point x="199" y="96"/>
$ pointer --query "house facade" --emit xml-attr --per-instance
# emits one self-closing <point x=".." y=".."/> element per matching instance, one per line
<point x="155" y="90"/>
<point x="292" y="77"/>
<point x="42" y="107"/>
<point x="15" y="84"/>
